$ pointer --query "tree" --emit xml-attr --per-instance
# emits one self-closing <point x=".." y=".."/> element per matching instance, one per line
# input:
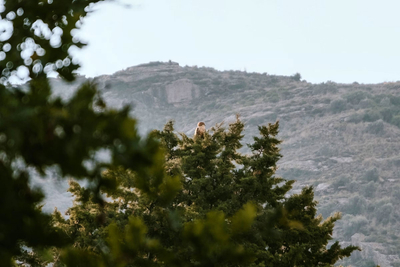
<point x="296" y="77"/>
<point x="210" y="206"/>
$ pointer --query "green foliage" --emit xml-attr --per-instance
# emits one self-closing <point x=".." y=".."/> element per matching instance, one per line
<point x="371" y="116"/>
<point x="41" y="133"/>
<point x="296" y="77"/>
<point x="38" y="131"/>
<point x="338" y="105"/>
<point x="396" y="120"/>
<point x="22" y="222"/>
<point x="354" y="98"/>
<point x="223" y="208"/>
<point x="237" y="86"/>
<point x="380" y="107"/>
<point x="387" y="113"/>
<point x="371" y="175"/>
<point x="171" y="200"/>
<point x="395" y="100"/>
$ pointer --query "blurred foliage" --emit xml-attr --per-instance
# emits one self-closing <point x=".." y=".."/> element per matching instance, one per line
<point x="37" y="131"/>
<point x="164" y="200"/>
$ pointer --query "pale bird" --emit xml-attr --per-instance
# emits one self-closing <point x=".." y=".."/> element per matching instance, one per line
<point x="200" y="129"/>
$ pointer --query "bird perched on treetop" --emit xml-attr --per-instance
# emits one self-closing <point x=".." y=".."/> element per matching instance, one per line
<point x="200" y="129"/>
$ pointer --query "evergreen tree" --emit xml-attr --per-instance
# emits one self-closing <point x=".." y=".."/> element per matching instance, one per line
<point x="209" y="206"/>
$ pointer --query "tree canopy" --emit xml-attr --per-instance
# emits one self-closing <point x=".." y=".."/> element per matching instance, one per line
<point x="209" y="206"/>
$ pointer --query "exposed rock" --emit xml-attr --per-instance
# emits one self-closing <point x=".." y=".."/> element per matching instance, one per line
<point x="372" y="250"/>
<point x="181" y="91"/>
<point x="322" y="187"/>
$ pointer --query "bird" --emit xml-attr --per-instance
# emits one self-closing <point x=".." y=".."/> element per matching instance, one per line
<point x="200" y="129"/>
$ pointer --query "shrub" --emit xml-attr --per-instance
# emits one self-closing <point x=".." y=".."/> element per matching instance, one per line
<point x="355" y="97"/>
<point x="371" y="116"/>
<point x="296" y="77"/>
<point x="376" y="128"/>
<point x="273" y="96"/>
<point x="356" y="205"/>
<point x="395" y="100"/>
<point x="396" y="192"/>
<point x="341" y="181"/>
<point x="338" y="105"/>
<point x="388" y="113"/>
<point x="355" y="118"/>
<point x="366" y="103"/>
<point x="371" y="175"/>
<point x="354" y="224"/>
<point x="369" y="190"/>
<point x="396" y="120"/>
<point x="383" y="213"/>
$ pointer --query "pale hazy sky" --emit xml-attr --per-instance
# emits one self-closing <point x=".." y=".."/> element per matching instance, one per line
<point x="337" y="40"/>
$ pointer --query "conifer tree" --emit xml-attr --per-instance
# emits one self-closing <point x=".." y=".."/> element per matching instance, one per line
<point x="210" y="205"/>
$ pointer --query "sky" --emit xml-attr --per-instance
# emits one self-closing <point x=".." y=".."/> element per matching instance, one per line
<point x="324" y="40"/>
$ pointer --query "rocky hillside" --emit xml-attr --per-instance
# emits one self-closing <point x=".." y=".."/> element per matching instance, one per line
<point x="344" y="139"/>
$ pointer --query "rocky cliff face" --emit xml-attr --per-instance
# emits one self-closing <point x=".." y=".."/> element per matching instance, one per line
<point x="344" y="139"/>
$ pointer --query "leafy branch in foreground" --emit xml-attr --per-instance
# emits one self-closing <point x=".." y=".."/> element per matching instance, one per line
<point x="38" y="131"/>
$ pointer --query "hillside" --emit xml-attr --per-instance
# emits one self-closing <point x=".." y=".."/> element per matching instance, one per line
<point x="344" y="139"/>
